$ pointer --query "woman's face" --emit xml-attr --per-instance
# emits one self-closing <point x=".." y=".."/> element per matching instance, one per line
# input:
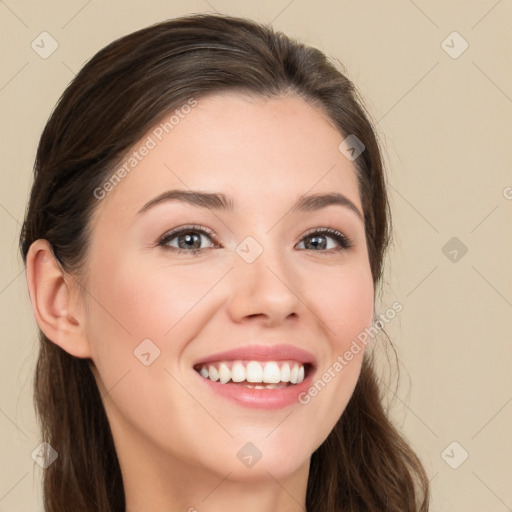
<point x="266" y="281"/>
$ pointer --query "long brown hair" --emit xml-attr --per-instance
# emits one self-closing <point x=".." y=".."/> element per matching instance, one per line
<point x="365" y="464"/>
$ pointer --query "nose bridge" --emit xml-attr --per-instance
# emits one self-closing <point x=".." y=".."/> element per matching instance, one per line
<point x="263" y="282"/>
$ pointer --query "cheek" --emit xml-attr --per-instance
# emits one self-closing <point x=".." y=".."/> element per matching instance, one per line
<point x="146" y="301"/>
<point x="134" y="302"/>
<point x="345" y="303"/>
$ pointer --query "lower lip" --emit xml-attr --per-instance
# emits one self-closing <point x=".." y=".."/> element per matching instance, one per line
<point x="260" y="398"/>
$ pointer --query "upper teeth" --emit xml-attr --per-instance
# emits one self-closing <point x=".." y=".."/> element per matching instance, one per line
<point x="271" y="372"/>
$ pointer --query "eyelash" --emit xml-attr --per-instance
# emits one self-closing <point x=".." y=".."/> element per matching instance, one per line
<point x="344" y="242"/>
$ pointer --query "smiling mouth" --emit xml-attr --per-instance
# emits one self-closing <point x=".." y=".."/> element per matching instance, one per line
<point x="255" y="374"/>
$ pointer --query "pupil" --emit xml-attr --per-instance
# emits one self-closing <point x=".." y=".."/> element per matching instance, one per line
<point x="314" y="240"/>
<point x="189" y="240"/>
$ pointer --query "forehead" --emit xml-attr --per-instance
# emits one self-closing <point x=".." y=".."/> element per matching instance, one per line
<point x="257" y="151"/>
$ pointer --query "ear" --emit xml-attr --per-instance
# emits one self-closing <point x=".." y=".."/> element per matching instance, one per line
<point x="55" y="299"/>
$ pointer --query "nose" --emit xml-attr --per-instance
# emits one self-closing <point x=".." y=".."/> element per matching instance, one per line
<point x="266" y="289"/>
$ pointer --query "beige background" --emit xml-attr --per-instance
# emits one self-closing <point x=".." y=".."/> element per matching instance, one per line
<point x="446" y="126"/>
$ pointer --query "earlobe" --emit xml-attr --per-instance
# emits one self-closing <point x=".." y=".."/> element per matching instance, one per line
<point x="54" y="298"/>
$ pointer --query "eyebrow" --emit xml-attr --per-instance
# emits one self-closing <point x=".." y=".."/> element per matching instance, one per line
<point x="219" y="201"/>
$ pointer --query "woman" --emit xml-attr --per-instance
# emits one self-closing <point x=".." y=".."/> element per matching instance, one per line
<point x="203" y="243"/>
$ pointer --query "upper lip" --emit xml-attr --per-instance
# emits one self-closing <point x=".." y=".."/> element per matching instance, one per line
<point x="279" y="352"/>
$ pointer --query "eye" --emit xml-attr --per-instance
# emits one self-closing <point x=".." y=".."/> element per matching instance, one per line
<point x="188" y="239"/>
<point x="318" y="239"/>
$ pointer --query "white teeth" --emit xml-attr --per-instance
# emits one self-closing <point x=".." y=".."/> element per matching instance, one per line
<point x="272" y="373"/>
<point x="214" y="374"/>
<point x="285" y="373"/>
<point x="224" y="373"/>
<point x="300" y="376"/>
<point x="238" y="372"/>
<point x="254" y="372"/>
<point x="294" y="374"/>
<point x="266" y="375"/>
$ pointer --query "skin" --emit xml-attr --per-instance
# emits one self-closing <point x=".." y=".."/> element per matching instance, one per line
<point x="176" y="440"/>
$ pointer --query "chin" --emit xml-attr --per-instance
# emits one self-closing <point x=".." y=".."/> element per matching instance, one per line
<point x="253" y="461"/>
